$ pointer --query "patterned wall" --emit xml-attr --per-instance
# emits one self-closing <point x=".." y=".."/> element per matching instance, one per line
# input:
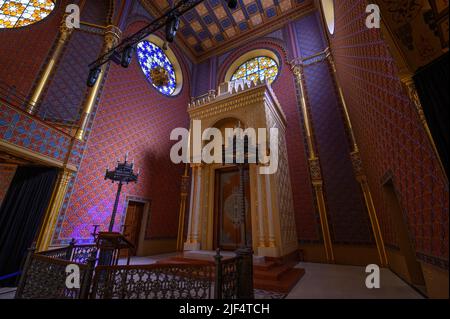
<point x="348" y="218"/>
<point x="6" y="175"/>
<point x="96" y="12"/>
<point x="132" y="117"/>
<point x="19" y="66"/>
<point x="62" y="102"/>
<point x="390" y="135"/>
<point x="202" y="78"/>
<point x="22" y="130"/>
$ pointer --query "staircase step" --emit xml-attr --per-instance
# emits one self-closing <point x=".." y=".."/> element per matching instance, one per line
<point x="274" y="273"/>
<point x="284" y="284"/>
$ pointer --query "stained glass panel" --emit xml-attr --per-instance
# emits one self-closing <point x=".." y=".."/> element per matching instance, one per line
<point x="19" y="13"/>
<point x="257" y="68"/>
<point x="151" y="56"/>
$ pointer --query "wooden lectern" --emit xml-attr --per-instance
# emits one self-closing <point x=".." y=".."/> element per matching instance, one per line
<point x="109" y="245"/>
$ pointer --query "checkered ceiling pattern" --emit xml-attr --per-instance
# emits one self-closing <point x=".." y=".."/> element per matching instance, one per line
<point x="212" y="23"/>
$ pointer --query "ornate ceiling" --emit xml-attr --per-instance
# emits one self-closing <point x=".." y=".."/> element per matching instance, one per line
<point x="212" y="27"/>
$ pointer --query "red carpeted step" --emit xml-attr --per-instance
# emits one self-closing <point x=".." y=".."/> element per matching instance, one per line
<point x="283" y="284"/>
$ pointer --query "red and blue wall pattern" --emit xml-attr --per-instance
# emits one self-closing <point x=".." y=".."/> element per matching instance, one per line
<point x="391" y="137"/>
<point x="132" y="117"/>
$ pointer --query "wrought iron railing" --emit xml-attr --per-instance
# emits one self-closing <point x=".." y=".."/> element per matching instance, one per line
<point x="44" y="277"/>
<point x="76" y="253"/>
<point x="226" y="278"/>
<point x="82" y="253"/>
<point x="57" y="115"/>
<point x="157" y="281"/>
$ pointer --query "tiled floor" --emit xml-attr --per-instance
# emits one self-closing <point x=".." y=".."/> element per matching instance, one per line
<point x="7" y="293"/>
<point x="324" y="281"/>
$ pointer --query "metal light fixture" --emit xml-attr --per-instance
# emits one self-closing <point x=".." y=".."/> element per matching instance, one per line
<point x="170" y="20"/>
<point x="127" y="56"/>
<point x="93" y="76"/>
<point x="172" y="26"/>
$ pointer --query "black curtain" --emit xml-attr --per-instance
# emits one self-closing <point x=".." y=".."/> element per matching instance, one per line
<point x="432" y="86"/>
<point x="21" y="214"/>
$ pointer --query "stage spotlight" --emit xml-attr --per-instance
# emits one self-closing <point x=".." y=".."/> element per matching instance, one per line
<point x="172" y="26"/>
<point x="127" y="56"/>
<point x="232" y="4"/>
<point x="93" y="76"/>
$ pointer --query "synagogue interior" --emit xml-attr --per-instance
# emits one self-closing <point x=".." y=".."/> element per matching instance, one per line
<point x="117" y="161"/>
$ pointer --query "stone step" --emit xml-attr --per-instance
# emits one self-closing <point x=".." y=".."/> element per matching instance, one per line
<point x="284" y="284"/>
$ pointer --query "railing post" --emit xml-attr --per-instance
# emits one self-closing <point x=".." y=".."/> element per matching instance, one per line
<point x="87" y="279"/>
<point x="70" y="249"/>
<point x="26" y="265"/>
<point x="245" y="273"/>
<point x="218" y="276"/>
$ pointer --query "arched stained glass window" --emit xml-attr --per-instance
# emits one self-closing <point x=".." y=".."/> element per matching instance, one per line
<point x="263" y="68"/>
<point x="20" y="13"/>
<point x="151" y="57"/>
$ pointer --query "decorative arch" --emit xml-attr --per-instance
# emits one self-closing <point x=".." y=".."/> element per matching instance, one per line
<point x="251" y="55"/>
<point x="275" y="46"/>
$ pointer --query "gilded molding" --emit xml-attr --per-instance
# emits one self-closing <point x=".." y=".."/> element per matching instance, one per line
<point x="358" y="168"/>
<point x="51" y="216"/>
<point x="414" y="97"/>
<point x="111" y="39"/>
<point x="64" y="35"/>
<point x="314" y="161"/>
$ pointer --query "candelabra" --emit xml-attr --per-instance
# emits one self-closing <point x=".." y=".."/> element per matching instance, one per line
<point x="123" y="174"/>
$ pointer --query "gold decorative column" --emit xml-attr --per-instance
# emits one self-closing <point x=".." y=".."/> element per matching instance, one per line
<point x="64" y="35"/>
<point x="192" y="241"/>
<point x="359" y="171"/>
<point x="51" y="215"/>
<point x="182" y="214"/>
<point x="314" y="164"/>
<point x="112" y="37"/>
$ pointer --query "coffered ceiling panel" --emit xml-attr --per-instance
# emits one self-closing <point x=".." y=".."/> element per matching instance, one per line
<point x="212" y="26"/>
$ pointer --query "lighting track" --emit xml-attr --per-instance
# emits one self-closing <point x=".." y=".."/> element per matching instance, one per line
<point x="122" y="53"/>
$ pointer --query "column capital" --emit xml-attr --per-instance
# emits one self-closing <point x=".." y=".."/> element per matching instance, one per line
<point x="64" y="30"/>
<point x="297" y="68"/>
<point x="315" y="170"/>
<point x="112" y="37"/>
<point x="357" y="164"/>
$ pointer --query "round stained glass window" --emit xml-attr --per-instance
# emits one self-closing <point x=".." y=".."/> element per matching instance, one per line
<point x="152" y="57"/>
<point x="20" y="13"/>
<point x="262" y="68"/>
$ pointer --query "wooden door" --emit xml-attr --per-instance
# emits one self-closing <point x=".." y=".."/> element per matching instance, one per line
<point x="228" y="222"/>
<point x="133" y="221"/>
<point x="403" y="237"/>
